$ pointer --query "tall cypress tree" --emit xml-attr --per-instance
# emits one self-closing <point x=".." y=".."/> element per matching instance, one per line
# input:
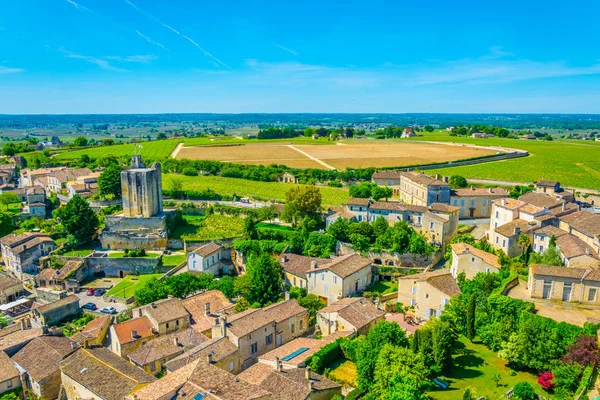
<point x="471" y="316"/>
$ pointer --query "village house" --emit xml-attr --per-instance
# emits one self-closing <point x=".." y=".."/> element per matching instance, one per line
<point x="53" y="313"/>
<point x="553" y="188"/>
<point x="407" y="133"/>
<point x="128" y="336"/>
<point x="10" y="289"/>
<point x="200" y="380"/>
<point x="387" y="178"/>
<point x="423" y="190"/>
<point x="476" y="202"/>
<point x="584" y="225"/>
<point x="427" y="292"/>
<point x="504" y="211"/>
<point x="35" y="202"/>
<point x="543" y="236"/>
<point x="295" y="353"/>
<point x="257" y="331"/>
<point x="480" y="135"/>
<point x="354" y="314"/>
<point x="528" y="137"/>
<point x="506" y="237"/>
<point x="472" y="261"/>
<point x="83" y="186"/>
<point x="219" y="352"/>
<point x="153" y="355"/>
<point x="40" y="360"/>
<point x="549" y="203"/>
<point x="58" y="178"/>
<point x="211" y="258"/>
<point x="29" y="176"/>
<point x="295" y="267"/>
<point x="67" y="278"/>
<point x="167" y="315"/>
<point x="286" y="177"/>
<point x="21" y="253"/>
<point x="9" y="374"/>
<point x="341" y="277"/>
<point x="575" y="253"/>
<point x="16" y="336"/>
<point x="8" y="173"/>
<point x="358" y="207"/>
<point x="335" y="215"/>
<point x="94" y="333"/>
<point x="205" y="307"/>
<point x="99" y="374"/>
<point x="579" y="285"/>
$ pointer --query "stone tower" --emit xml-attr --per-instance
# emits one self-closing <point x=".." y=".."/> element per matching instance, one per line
<point x="142" y="189"/>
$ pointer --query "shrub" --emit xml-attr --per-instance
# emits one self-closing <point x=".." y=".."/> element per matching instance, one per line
<point x="349" y="348"/>
<point x="335" y="184"/>
<point x="190" y="171"/>
<point x="524" y="391"/>
<point x="326" y="356"/>
<point x="356" y="394"/>
<point x="545" y="380"/>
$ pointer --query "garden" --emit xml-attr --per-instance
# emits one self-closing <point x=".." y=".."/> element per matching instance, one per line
<point x="211" y="227"/>
<point x="130" y="284"/>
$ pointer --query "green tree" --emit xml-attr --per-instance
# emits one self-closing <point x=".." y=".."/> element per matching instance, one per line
<point x="9" y="198"/>
<point x="496" y="378"/>
<point x="109" y="181"/>
<point x="467" y="394"/>
<point x="175" y="186"/>
<point x="443" y="343"/>
<point x="9" y="149"/>
<point x="360" y="242"/>
<point x="79" y="219"/>
<point x="525" y="241"/>
<point x="313" y="303"/>
<point x="394" y="365"/>
<point x="241" y="305"/>
<point x="265" y="279"/>
<point x="339" y="229"/>
<point x="300" y="202"/>
<point x="6" y="224"/>
<point x="190" y="171"/>
<point x="379" y="192"/>
<point x="80" y="141"/>
<point x="471" y="316"/>
<point x="524" y="391"/>
<point x="249" y="228"/>
<point x="380" y="226"/>
<point x="457" y="181"/>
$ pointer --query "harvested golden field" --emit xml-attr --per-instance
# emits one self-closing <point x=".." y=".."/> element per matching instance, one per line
<point x="339" y="155"/>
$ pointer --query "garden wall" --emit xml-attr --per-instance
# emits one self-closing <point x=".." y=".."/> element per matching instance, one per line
<point x="118" y="267"/>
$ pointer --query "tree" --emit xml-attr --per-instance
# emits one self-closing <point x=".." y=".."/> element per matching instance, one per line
<point x="566" y="377"/>
<point x="313" y="303"/>
<point x="396" y="366"/>
<point x="249" y="228"/>
<point x="471" y="316"/>
<point x="109" y="181"/>
<point x="428" y="128"/>
<point x="9" y="149"/>
<point x="379" y="192"/>
<point x="265" y="279"/>
<point x="545" y="380"/>
<point x="525" y="241"/>
<point x="79" y="219"/>
<point x="300" y="202"/>
<point x="584" y="351"/>
<point x="6" y="224"/>
<point x="360" y="242"/>
<point x="457" y="181"/>
<point x="339" y="229"/>
<point x="380" y="226"/>
<point x="467" y="394"/>
<point x="524" y="391"/>
<point x="175" y="186"/>
<point x="241" y="305"/>
<point x="80" y="141"/>
<point x="362" y="190"/>
<point x="190" y="171"/>
<point x="496" y="379"/>
<point x="9" y="198"/>
<point x="225" y="285"/>
<point x="443" y="343"/>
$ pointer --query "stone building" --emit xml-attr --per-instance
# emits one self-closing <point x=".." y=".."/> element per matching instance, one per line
<point x="427" y="292"/>
<point x="53" y="313"/>
<point x="354" y="314"/>
<point x="21" y="253"/>
<point x="143" y="222"/>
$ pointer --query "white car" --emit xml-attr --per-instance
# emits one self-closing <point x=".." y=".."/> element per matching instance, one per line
<point x="108" y="310"/>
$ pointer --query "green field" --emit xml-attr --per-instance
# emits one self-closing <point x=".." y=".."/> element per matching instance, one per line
<point x="156" y="150"/>
<point x="173" y="260"/>
<point x="384" y="287"/>
<point x="129" y="284"/>
<point x="254" y="189"/>
<point x="211" y="227"/>
<point x="571" y="162"/>
<point x="474" y="365"/>
<point x="266" y="225"/>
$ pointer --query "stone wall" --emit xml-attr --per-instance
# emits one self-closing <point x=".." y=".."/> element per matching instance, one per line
<point x="141" y="189"/>
<point x="117" y="267"/>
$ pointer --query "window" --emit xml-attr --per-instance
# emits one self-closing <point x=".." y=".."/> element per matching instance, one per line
<point x="413" y="302"/>
<point x="483" y="211"/>
<point x="10" y="384"/>
<point x="413" y="290"/>
<point x="472" y="259"/>
<point x="503" y="243"/>
<point x="497" y="214"/>
<point x="294" y="281"/>
<point x="292" y="327"/>
<point x="167" y="325"/>
<point x="152" y="367"/>
<point x="177" y="322"/>
<point x="426" y="295"/>
<point x="472" y="202"/>
<point x="230" y="366"/>
<point x="335" y="279"/>
<point x="301" y="325"/>
<point x="323" y="277"/>
<point x="431" y="225"/>
<point x="269" y="339"/>
<point x="253" y="348"/>
<point x="326" y="288"/>
<point x="462" y="202"/>
<point x="455" y="202"/>
<point x="484" y="202"/>
<point x="497" y="239"/>
<point x="592" y="294"/>
<point x="487" y="269"/>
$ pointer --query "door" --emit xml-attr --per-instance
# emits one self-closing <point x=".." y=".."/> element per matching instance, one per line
<point x="471" y="212"/>
<point x="356" y="286"/>
<point x="279" y="339"/>
<point x="546" y="292"/>
<point x="566" y="293"/>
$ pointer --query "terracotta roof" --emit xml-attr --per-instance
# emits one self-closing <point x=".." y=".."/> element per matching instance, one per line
<point x="7" y="368"/>
<point x="584" y="222"/>
<point x="531" y="209"/>
<point x="571" y="246"/>
<point x="465" y="248"/>
<point x="440" y="207"/>
<point x="441" y="280"/>
<point x="387" y="205"/>
<point x="196" y="307"/>
<point x="165" y="310"/>
<point x="509" y="203"/>
<point x="12" y="335"/>
<point x="344" y="266"/>
<point x="342" y="214"/>
<point x="40" y="358"/>
<point x="508" y="229"/>
<point x="142" y="326"/>
<point x="545" y="183"/>
<point x="299" y="265"/>
<point x="57" y="304"/>
<point x="256" y="373"/>
<point x="167" y="386"/>
<point x="563" y="272"/>
<point x="250" y="320"/>
<point x="423" y="179"/>
<point x="208" y="249"/>
<point x="435" y="217"/>
<point x="357" y="201"/>
<point x="7" y="282"/>
<point x="544" y="217"/>
<point x="219" y="347"/>
<point x="550" y="231"/>
<point x="104" y="373"/>
<point x="540" y="199"/>
<point x="288" y="348"/>
<point x="167" y="346"/>
<point x="15" y="242"/>
<point x="70" y="174"/>
<point x="386" y="175"/>
<point x="476" y="192"/>
<point x="358" y="311"/>
<point x="292" y="384"/>
<point x="92" y="330"/>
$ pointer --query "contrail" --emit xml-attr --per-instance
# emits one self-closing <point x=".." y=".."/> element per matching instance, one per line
<point x="286" y="49"/>
<point x="149" y="40"/>
<point x="78" y="6"/>
<point x="152" y="17"/>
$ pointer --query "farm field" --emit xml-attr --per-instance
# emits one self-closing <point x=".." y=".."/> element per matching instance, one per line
<point x="254" y="189"/>
<point x="211" y="227"/>
<point x="572" y="163"/>
<point x="156" y="150"/>
<point x="341" y="155"/>
<point x="474" y="365"/>
<point x="129" y="284"/>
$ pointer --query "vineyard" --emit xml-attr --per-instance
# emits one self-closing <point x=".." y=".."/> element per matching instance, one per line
<point x="156" y="150"/>
<point x="211" y="227"/>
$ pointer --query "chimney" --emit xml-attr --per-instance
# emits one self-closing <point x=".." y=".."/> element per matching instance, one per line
<point x="587" y="251"/>
<point x="517" y="230"/>
<point x="467" y="250"/>
<point x="286" y="295"/>
<point x="276" y="359"/>
<point x="73" y="344"/>
<point x="176" y="341"/>
<point x="491" y="190"/>
<point x="279" y="366"/>
<point x="207" y="309"/>
<point x="152" y="305"/>
<point x="284" y="258"/>
<point x="45" y="329"/>
<point x="170" y="296"/>
<point x="564" y="206"/>
<point x="313" y="265"/>
<point x="311" y="385"/>
<point x="209" y="357"/>
<point x="503" y="202"/>
<point x="134" y="334"/>
<point x="307" y="373"/>
<point x="224" y="326"/>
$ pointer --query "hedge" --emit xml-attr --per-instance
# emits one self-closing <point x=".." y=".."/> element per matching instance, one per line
<point x="326" y="356"/>
<point x="585" y="380"/>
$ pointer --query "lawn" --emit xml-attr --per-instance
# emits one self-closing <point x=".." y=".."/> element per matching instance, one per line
<point x="344" y="372"/>
<point x="129" y="284"/>
<point x="384" y="287"/>
<point x="253" y="189"/>
<point x="211" y="227"/>
<point x="474" y="365"/>
<point x="266" y="225"/>
<point x="156" y="150"/>
<point x="572" y="163"/>
<point x="174" y="259"/>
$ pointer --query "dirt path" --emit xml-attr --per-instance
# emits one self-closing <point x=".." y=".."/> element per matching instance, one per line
<point x="176" y="150"/>
<point x="313" y="158"/>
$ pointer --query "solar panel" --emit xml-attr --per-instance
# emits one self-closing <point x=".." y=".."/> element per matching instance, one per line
<point x="199" y="396"/>
<point x="295" y="353"/>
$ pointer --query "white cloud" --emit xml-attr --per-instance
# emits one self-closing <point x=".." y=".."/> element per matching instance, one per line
<point x="7" y="70"/>
<point x="144" y="59"/>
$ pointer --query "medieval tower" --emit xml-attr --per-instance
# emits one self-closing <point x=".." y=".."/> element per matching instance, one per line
<point x="142" y="189"/>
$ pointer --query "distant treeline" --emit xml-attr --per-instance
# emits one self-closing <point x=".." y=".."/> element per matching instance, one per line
<point x="288" y="132"/>
<point x="462" y="130"/>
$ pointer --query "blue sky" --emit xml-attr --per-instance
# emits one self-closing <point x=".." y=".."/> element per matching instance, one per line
<point x="143" y="56"/>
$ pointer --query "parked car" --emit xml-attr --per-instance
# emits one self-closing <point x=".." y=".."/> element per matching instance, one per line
<point x="89" y="306"/>
<point x="90" y="292"/>
<point x="108" y="310"/>
<point x="99" y="292"/>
